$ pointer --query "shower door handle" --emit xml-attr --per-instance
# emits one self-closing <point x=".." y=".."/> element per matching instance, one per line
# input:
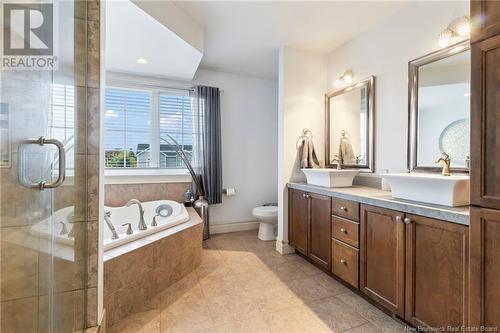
<point x="41" y="141"/>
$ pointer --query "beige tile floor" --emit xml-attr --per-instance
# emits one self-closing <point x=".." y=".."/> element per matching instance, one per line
<point x="244" y="285"/>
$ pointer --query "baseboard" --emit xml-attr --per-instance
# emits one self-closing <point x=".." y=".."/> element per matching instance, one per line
<point x="283" y="247"/>
<point x="221" y="228"/>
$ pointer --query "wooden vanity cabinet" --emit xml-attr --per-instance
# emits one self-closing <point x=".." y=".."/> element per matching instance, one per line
<point x="484" y="289"/>
<point x="436" y="272"/>
<point x="485" y="123"/>
<point x="309" y="225"/>
<point x="414" y="266"/>
<point x="298" y="220"/>
<point x="319" y="229"/>
<point x="484" y="308"/>
<point x="382" y="257"/>
<point x="485" y="19"/>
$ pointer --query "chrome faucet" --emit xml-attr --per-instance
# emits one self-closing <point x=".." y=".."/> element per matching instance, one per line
<point x="142" y="224"/>
<point x="336" y="158"/>
<point x="154" y="223"/>
<point x="446" y="164"/>
<point x="64" y="229"/>
<point x="107" y="215"/>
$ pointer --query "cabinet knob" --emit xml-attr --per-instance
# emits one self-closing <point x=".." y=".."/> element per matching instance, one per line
<point x="303" y="195"/>
<point x="407" y="220"/>
<point x="343" y="230"/>
<point x="398" y="218"/>
<point x="343" y="261"/>
<point x="342" y="208"/>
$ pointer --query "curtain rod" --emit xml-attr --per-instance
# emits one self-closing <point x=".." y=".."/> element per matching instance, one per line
<point x="154" y="85"/>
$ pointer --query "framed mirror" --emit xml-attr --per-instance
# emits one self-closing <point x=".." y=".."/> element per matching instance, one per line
<point x="349" y="126"/>
<point x="439" y="109"/>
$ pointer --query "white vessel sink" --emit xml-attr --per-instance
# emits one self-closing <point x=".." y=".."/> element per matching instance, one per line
<point x="436" y="189"/>
<point x="330" y="177"/>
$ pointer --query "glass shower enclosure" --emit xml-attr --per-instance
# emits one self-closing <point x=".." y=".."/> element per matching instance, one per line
<point x="43" y="177"/>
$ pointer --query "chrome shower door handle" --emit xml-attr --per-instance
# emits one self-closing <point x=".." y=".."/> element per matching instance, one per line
<point x="41" y="141"/>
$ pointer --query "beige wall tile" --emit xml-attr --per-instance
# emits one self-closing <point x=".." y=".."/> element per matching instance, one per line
<point x="93" y="54"/>
<point x="93" y="121"/>
<point x="19" y="264"/>
<point x="119" y="194"/>
<point x="93" y="10"/>
<point x="133" y="280"/>
<point x="80" y="52"/>
<point x="19" y="316"/>
<point x="93" y="187"/>
<point x="81" y="111"/>
<point x="92" y="252"/>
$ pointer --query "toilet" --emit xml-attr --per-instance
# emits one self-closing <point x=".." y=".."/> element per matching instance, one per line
<point x="268" y="218"/>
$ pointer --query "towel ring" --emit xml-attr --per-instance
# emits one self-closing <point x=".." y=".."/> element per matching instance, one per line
<point x="344" y="136"/>
<point x="306" y="133"/>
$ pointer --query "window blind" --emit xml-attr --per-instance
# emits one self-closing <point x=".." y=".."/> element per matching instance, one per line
<point x="127" y="128"/>
<point x="177" y="121"/>
<point x="62" y="119"/>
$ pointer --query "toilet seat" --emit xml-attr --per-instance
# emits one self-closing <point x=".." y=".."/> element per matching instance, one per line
<point x="265" y="211"/>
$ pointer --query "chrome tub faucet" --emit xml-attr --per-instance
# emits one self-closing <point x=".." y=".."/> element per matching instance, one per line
<point x="107" y="215"/>
<point x="142" y="224"/>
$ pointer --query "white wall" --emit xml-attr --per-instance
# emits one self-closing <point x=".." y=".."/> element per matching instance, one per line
<point x="249" y="116"/>
<point x="384" y="51"/>
<point x="302" y="85"/>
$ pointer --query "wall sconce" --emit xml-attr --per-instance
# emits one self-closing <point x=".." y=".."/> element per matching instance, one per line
<point x="345" y="79"/>
<point x="458" y="29"/>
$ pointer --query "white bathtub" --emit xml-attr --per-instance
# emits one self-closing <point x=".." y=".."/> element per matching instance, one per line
<point x="122" y="215"/>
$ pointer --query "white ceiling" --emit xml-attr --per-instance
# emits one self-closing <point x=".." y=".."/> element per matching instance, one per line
<point x="244" y="36"/>
<point x="131" y="33"/>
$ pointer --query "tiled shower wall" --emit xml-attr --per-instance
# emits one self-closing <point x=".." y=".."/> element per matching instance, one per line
<point x="93" y="82"/>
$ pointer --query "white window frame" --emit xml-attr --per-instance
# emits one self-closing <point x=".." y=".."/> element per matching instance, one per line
<point x="151" y="174"/>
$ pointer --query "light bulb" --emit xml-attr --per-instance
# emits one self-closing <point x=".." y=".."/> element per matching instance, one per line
<point x="464" y="29"/>
<point x="347" y="77"/>
<point x="445" y="38"/>
<point x="141" y="61"/>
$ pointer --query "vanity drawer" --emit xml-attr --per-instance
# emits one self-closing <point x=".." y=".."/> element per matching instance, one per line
<point x="346" y="231"/>
<point x="345" y="262"/>
<point x="345" y="208"/>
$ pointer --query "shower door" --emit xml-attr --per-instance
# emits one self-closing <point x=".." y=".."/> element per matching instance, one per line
<point x="43" y="168"/>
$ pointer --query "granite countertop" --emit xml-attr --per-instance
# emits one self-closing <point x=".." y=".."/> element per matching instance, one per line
<point x="377" y="197"/>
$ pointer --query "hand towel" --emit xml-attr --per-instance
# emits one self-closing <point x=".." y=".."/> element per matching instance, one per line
<point x="308" y="154"/>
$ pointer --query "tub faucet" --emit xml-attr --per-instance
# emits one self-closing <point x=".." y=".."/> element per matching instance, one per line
<point x="154" y="223"/>
<point x="107" y="215"/>
<point x="142" y="224"/>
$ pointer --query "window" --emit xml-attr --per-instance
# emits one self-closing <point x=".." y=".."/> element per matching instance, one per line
<point x="136" y="124"/>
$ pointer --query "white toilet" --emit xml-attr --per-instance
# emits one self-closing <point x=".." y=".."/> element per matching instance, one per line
<point x="268" y="217"/>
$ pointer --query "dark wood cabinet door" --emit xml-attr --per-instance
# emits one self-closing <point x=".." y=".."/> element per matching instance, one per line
<point x="320" y="232"/>
<point x="382" y="257"/>
<point x="298" y="220"/>
<point x="484" y="309"/>
<point x="436" y="272"/>
<point x="485" y="16"/>
<point x="485" y="123"/>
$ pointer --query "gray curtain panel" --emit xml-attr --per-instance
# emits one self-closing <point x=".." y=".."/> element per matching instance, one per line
<point x="207" y="146"/>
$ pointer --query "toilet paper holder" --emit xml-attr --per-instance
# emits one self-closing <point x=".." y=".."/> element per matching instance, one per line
<point x="230" y="191"/>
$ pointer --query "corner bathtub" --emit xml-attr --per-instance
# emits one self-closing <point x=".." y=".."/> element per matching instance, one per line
<point x="122" y="215"/>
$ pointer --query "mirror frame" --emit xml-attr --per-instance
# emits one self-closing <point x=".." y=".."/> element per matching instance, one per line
<point x="369" y="83"/>
<point x="413" y="67"/>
